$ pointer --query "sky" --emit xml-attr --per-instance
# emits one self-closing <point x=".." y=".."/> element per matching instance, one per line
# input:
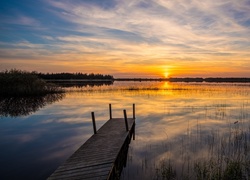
<point x="132" y="38"/>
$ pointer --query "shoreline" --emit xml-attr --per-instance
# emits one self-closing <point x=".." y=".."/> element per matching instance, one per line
<point x="208" y="80"/>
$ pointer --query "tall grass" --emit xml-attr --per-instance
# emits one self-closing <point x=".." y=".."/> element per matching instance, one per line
<point x="18" y="83"/>
<point x="227" y="157"/>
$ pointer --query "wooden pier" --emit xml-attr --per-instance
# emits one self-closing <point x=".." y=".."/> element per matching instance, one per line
<point x="104" y="154"/>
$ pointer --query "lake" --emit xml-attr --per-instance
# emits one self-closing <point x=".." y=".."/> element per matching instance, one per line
<point x="183" y="130"/>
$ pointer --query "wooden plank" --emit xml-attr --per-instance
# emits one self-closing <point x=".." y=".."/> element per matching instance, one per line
<point x="85" y="164"/>
<point x="96" y="158"/>
<point x="85" y="168"/>
<point x="85" y="172"/>
<point x="81" y="175"/>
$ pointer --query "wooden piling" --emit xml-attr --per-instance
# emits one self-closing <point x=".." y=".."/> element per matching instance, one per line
<point x="93" y="121"/>
<point x="126" y="119"/>
<point x="134" y="132"/>
<point x="110" y="111"/>
<point x="134" y="111"/>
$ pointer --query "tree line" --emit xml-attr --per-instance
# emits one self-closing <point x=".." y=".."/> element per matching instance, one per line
<point x="64" y="76"/>
<point x="22" y="83"/>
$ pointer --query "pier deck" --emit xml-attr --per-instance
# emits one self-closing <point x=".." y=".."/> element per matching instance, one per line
<point x="99" y="157"/>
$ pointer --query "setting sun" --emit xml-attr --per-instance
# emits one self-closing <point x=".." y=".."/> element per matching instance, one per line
<point x="166" y="74"/>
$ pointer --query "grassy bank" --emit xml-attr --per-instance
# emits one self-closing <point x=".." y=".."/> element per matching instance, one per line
<point x="22" y="83"/>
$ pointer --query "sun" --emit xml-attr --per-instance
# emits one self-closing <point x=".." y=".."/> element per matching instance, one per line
<point x="166" y="71"/>
<point x="166" y="74"/>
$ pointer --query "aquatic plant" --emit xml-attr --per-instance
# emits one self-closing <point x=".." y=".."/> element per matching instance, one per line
<point x="18" y="83"/>
<point x="227" y="158"/>
<point x="166" y="171"/>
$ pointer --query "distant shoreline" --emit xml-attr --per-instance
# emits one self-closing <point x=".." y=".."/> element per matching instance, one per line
<point x="105" y="78"/>
<point x="216" y="80"/>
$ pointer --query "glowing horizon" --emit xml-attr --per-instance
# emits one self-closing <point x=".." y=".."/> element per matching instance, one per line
<point x="136" y="38"/>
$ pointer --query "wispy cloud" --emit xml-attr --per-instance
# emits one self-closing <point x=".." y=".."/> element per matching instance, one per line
<point x="151" y="33"/>
<point x="19" y="19"/>
<point x="201" y="26"/>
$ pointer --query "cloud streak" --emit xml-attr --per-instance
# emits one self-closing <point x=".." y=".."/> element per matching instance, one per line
<point x="152" y="33"/>
<point x="174" y="23"/>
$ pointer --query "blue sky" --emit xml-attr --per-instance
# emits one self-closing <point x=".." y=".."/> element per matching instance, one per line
<point x="127" y="38"/>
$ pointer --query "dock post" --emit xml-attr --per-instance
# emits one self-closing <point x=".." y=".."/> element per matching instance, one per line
<point x="134" y="132"/>
<point x="126" y="120"/>
<point x="133" y="111"/>
<point x="110" y="111"/>
<point x="93" y="121"/>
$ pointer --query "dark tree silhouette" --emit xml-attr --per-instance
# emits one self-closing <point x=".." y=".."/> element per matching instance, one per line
<point x="78" y="76"/>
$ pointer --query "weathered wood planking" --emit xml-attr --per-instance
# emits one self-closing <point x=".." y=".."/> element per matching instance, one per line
<point x="98" y="157"/>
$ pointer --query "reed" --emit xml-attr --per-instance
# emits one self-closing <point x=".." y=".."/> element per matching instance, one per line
<point x="166" y="171"/>
<point x="227" y="158"/>
<point x="22" y="83"/>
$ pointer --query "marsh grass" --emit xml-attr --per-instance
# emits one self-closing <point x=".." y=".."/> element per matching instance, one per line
<point x="163" y="88"/>
<point x="227" y="157"/>
<point x="166" y="171"/>
<point x="21" y="83"/>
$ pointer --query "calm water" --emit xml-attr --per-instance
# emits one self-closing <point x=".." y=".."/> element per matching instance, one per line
<point x="181" y="123"/>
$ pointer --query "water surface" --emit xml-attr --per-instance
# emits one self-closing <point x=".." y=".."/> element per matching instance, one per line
<point x="177" y="122"/>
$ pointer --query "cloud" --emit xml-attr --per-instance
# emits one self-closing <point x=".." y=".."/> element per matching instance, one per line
<point x="199" y="26"/>
<point x="138" y="32"/>
<point x="25" y="20"/>
<point x="48" y="38"/>
<point x="19" y="20"/>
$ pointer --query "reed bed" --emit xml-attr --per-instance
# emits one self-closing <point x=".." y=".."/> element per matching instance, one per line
<point x="224" y="156"/>
<point x="22" y="83"/>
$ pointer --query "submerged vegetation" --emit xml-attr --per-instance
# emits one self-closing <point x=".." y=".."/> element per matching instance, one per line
<point x="22" y="83"/>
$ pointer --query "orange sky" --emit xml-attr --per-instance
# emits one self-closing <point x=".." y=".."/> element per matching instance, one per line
<point x="152" y="38"/>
